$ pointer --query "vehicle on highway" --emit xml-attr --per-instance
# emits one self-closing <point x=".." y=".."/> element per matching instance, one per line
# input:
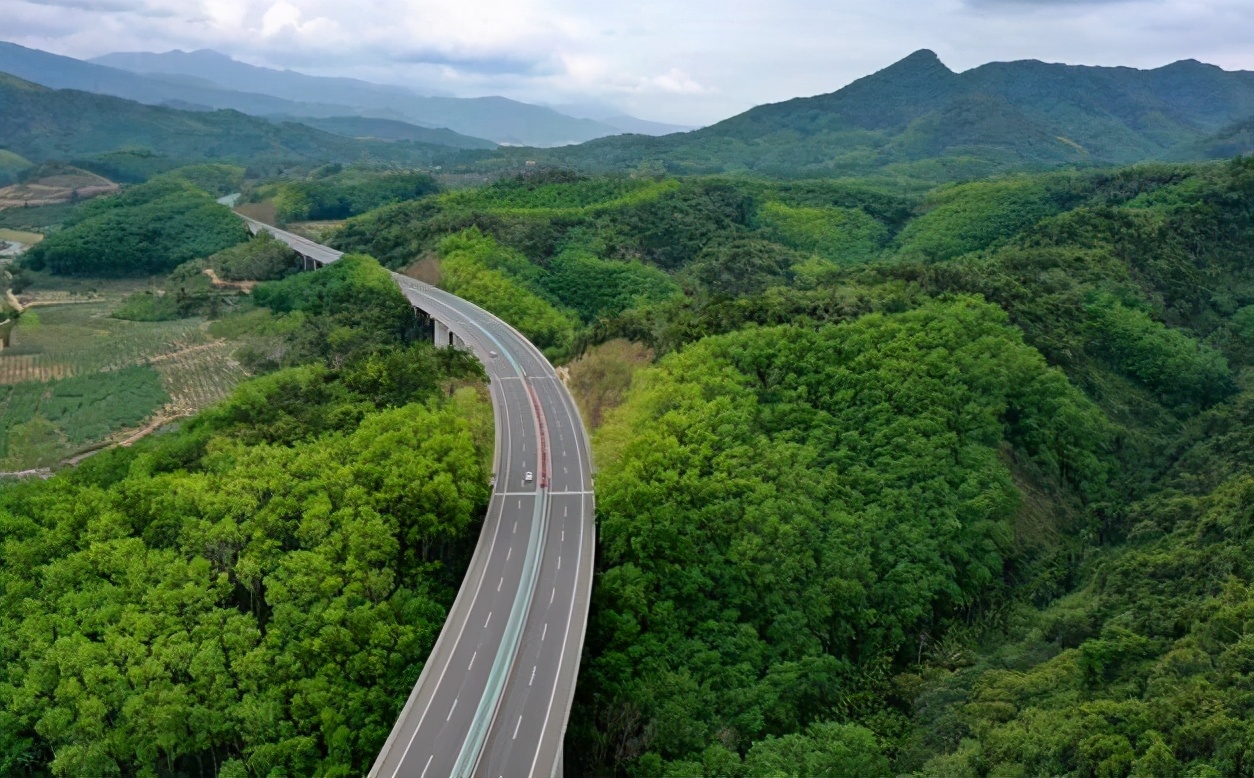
<point x="493" y="354"/>
<point x="527" y="477"/>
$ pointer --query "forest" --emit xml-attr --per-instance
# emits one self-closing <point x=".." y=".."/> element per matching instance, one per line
<point x="892" y="481"/>
<point x="229" y="598"/>
<point x="905" y="487"/>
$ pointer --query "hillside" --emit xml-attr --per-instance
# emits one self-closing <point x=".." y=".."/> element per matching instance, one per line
<point x="44" y="124"/>
<point x="496" y="118"/>
<point x="918" y="118"/>
<point x="387" y="101"/>
<point x="391" y="129"/>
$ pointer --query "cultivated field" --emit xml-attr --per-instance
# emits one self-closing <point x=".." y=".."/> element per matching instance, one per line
<point x="57" y="188"/>
<point x="123" y="373"/>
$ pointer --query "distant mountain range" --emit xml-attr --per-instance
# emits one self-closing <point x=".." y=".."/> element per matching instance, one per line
<point x="916" y="119"/>
<point x="209" y="80"/>
<point x="919" y="118"/>
<point x="126" y="140"/>
<point x="366" y="127"/>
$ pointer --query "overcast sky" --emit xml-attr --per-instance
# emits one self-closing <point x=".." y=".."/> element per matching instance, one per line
<point x="683" y="61"/>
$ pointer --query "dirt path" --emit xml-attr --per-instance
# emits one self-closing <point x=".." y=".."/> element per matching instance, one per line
<point x="181" y="352"/>
<point x="244" y="286"/>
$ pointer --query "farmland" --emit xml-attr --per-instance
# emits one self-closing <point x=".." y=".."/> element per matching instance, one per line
<point x="75" y="377"/>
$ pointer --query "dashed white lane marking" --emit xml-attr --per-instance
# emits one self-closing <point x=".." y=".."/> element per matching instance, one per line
<point x="427" y="766"/>
<point x="559" y="561"/>
<point x="515" y="526"/>
<point x="450" y="710"/>
<point x="472" y="660"/>
<point x="508" y="553"/>
<point x="489" y="618"/>
<point x="565" y="508"/>
<point x="544" y="632"/>
<point x="533" y="675"/>
<point x="563" y="536"/>
<point x="500" y="583"/>
<point x="552" y="594"/>
<point x="516" y="726"/>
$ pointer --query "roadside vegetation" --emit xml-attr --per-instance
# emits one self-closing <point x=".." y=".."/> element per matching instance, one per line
<point x="280" y="573"/>
<point x="890" y="482"/>
<point x="905" y="464"/>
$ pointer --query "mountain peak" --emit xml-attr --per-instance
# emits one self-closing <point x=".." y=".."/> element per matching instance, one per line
<point x="923" y="61"/>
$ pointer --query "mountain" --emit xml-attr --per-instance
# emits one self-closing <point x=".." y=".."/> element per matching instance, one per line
<point x="226" y="73"/>
<point x="613" y="116"/>
<point x="46" y="124"/>
<point x="496" y="118"/>
<point x="57" y="72"/>
<point x="392" y="130"/>
<point x="1232" y="141"/>
<point x="919" y="118"/>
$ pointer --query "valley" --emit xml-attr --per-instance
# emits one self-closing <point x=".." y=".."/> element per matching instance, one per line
<point x="919" y="416"/>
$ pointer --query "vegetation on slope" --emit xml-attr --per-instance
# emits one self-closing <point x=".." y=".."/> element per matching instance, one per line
<point x="334" y="192"/>
<point x="917" y="120"/>
<point x="255" y="593"/>
<point x="148" y="229"/>
<point x="127" y="141"/>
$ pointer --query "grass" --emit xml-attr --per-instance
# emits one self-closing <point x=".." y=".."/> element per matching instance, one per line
<point x="19" y="236"/>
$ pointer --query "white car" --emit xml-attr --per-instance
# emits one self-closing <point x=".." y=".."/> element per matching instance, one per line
<point x="527" y="477"/>
<point x="493" y="354"/>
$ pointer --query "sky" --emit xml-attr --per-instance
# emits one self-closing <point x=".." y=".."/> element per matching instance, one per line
<point x="689" y="62"/>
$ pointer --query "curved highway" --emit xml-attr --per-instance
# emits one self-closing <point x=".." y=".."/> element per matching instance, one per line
<point x="495" y="694"/>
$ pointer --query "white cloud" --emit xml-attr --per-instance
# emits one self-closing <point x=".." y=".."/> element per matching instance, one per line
<point x="691" y="62"/>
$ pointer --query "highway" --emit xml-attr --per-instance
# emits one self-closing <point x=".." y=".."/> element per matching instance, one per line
<point x="494" y="696"/>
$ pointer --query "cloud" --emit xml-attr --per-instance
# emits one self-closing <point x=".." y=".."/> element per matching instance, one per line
<point x="689" y="63"/>
<point x="139" y="7"/>
<point x="676" y="82"/>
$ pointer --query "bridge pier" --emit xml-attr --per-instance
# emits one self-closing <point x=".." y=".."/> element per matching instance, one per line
<point x="444" y="337"/>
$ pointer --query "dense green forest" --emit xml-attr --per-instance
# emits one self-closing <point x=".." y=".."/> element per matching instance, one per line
<point x="147" y="229"/>
<point x="935" y="482"/>
<point x="336" y="192"/>
<point x="254" y="593"/>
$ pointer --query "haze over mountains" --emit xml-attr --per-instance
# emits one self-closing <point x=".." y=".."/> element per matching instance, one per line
<point x="209" y="80"/>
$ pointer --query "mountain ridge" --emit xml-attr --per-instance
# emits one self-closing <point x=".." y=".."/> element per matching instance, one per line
<point x="919" y="118"/>
<point x="498" y="119"/>
<point x="43" y="124"/>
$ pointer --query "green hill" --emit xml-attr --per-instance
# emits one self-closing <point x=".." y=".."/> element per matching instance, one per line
<point x="920" y="119"/>
<point x="392" y="130"/>
<point x="1233" y="140"/>
<point x="11" y="166"/>
<point x="44" y="124"/>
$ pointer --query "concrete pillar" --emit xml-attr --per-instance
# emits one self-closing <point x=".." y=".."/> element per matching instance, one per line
<point x="443" y="337"/>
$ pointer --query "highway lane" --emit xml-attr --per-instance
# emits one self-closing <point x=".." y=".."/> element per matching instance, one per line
<point x="494" y="696"/>
<point x="527" y="733"/>
<point x="431" y="733"/>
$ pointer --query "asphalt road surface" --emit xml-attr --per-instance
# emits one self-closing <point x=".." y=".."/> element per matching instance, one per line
<point x="495" y="694"/>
